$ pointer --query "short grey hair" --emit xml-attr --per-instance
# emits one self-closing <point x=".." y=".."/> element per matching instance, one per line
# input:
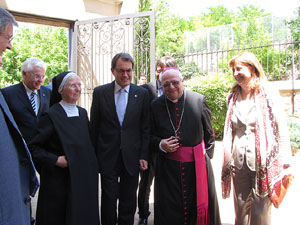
<point x="5" y="19"/>
<point x="33" y="62"/>
<point x="169" y="69"/>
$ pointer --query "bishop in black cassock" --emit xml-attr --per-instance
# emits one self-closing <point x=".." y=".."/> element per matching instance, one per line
<point x="181" y="129"/>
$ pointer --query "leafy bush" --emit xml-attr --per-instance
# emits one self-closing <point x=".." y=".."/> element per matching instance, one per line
<point x="189" y="69"/>
<point x="294" y="130"/>
<point x="215" y="88"/>
<point x="50" y="44"/>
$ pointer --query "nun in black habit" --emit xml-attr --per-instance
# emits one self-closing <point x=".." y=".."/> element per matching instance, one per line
<point x="65" y="158"/>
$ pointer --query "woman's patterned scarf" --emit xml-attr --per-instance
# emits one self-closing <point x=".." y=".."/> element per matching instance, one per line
<point x="269" y="165"/>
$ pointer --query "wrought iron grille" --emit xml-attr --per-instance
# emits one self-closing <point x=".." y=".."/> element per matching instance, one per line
<point x="97" y="41"/>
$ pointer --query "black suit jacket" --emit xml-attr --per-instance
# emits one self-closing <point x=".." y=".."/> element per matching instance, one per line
<point x="21" y="109"/>
<point x="110" y="138"/>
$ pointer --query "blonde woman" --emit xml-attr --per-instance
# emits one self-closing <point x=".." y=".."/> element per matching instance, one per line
<point x="256" y="142"/>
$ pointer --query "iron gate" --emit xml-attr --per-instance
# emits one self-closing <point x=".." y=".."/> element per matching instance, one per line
<point x="95" y="42"/>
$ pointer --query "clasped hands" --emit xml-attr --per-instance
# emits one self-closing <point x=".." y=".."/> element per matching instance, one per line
<point x="170" y="144"/>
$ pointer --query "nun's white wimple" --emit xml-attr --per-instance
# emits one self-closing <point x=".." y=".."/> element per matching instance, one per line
<point x="62" y="84"/>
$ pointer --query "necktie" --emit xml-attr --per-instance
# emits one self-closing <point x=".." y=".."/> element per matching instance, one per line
<point x="121" y="105"/>
<point x="32" y="101"/>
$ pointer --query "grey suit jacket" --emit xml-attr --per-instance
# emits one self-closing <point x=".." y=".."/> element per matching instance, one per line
<point x="17" y="174"/>
<point x="110" y="138"/>
<point x="243" y="143"/>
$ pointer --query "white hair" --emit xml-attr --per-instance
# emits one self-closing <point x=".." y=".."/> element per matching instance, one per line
<point x="171" y="69"/>
<point x="32" y="62"/>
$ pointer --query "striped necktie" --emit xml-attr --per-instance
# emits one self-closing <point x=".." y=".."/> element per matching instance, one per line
<point x="32" y="101"/>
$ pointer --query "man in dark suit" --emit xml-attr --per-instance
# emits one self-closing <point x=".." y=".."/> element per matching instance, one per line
<point x="155" y="90"/>
<point x="28" y="99"/>
<point x="18" y="178"/>
<point x="120" y="132"/>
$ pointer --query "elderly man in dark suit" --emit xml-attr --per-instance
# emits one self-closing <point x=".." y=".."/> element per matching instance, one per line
<point x="28" y="99"/>
<point x="18" y="178"/>
<point x="155" y="90"/>
<point x="120" y="132"/>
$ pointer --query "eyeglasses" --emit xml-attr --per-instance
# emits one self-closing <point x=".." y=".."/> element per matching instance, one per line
<point x="175" y="83"/>
<point x="38" y="77"/>
<point x="123" y="71"/>
<point x="8" y="38"/>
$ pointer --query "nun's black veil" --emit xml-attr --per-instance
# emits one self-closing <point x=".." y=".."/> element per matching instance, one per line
<point x="56" y="81"/>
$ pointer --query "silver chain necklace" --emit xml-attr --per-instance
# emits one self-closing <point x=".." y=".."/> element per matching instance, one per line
<point x="176" y="130"/>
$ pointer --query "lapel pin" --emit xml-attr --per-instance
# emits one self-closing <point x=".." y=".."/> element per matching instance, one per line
<point x="43" y="95"/>
<point x="135" y="96"/>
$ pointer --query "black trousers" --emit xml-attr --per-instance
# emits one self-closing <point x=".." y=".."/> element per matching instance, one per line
<point x="146" y="180"/>
<point x="118" y="185"/>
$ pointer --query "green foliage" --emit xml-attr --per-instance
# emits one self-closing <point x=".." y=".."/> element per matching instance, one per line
<point x="216" y="89"/>
<point x="189" y="69"/>
<point x="144" y="5"/>
<point x="216" y="16"/>
<point x="294" y="130"/>
<point x="294" y="25"/>
<point x="47" y="43"/>
<point x="275" y="63"/>
<point x="248" y="28"/>
<point x="169" y="30"/>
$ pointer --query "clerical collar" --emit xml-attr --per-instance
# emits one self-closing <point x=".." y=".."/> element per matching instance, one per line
<point x="175" y="100"/>
<point x="118" y="87"/>
<point x="181" y="116"/>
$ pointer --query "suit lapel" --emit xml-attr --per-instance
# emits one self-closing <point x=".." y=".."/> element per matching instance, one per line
<point x="43" y="102"/>
<point x="109" y="96"/>
<point x="22" y="94"/>
<point x="6" y="110"/>
<point x="132" y="97"/>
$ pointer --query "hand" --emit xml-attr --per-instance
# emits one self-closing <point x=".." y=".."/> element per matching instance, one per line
<point x="143" y="164"/>
<point x="170" y="144"/>
<point x="62" y="161"/>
